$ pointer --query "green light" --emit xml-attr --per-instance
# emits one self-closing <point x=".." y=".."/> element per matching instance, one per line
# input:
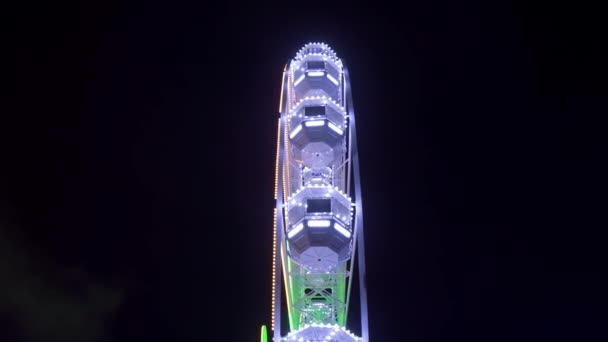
<point x="287" y="287"/>
<point x="264" y="334"/>
<point x="341" y="294"/>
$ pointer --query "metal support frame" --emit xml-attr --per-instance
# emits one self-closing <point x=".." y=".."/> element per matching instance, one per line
<point x="280" y="228"/>
<point x="318" y="285"/>
<point x="358" y="207"/>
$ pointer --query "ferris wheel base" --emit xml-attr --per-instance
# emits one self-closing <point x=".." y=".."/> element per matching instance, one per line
<point x="321" y="333"/>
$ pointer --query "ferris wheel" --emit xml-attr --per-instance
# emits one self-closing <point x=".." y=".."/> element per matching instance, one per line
<point x="318" y="218"/>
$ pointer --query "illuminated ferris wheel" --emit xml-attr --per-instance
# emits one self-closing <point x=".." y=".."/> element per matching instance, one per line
<point x="318" y="219"/>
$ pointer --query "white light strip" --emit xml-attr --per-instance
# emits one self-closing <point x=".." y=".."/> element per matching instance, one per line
<point x="295" y="131"/>
<point x="319" y="223"/>
<point x="315" y="73"/>
<point x="335" y="128"/>
<point x="299" y="80"/>
<point x="314" y="123"/>
<point x="342" y="230"/>
<point x="295" y="230"/>
<point x="332" y="79"/>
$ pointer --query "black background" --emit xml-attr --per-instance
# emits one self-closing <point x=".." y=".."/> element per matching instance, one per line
<point x="138" y="146"/>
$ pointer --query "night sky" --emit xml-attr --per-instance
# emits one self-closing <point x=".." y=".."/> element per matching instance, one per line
<point x="137" y="164"/>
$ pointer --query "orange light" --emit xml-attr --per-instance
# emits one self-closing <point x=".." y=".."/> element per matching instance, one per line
<point x="276" y="168"/>
<point x="274" y="253"/>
